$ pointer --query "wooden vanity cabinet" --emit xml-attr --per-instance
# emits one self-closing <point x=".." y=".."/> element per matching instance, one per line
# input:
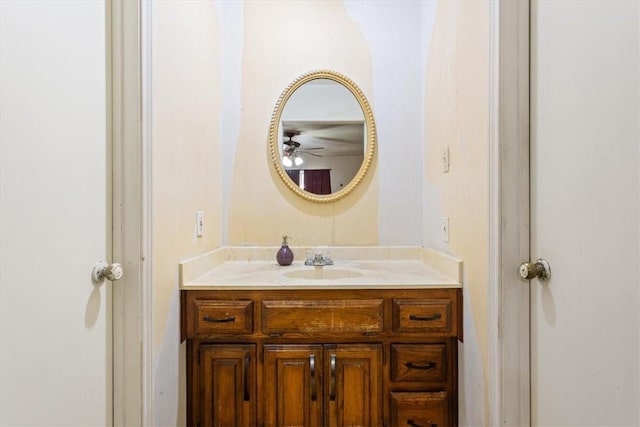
<point x="321" y="358"/>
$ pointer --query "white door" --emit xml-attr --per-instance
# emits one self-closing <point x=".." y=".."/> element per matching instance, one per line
<point x="585" y="122"/>
<point x="55" y="349"/>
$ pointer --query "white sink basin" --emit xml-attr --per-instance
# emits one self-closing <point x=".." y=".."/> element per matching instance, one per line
<point x="324" y="273"/>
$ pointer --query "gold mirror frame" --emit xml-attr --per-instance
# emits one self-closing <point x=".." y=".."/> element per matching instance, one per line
<point x="370" y="134"/>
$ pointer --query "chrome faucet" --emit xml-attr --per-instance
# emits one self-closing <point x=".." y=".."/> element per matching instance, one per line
<point x="318" y="259"/>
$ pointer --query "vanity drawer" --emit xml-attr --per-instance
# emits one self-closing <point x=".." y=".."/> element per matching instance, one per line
<point x="426" y="409"/>
<point x="305" y="316"/>
<point x="418" y="362"/>
<point x="223" y="317"/>
<point x="422" y="315"/>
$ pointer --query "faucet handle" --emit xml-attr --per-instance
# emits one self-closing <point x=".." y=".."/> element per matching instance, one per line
<point x="318" y="259"/>
<point x="309" y="260"/>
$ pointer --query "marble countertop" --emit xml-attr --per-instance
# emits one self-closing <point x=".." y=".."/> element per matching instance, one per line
<point x="377" y="267"/>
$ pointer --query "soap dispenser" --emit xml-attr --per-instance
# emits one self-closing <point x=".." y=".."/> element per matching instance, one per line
<point x="285" y="254"/>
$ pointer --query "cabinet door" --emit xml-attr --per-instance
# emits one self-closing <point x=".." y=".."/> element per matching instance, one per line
<point x="353" y="385"/>
<point x="227" y="385"/>
<point x="293" y="385"/>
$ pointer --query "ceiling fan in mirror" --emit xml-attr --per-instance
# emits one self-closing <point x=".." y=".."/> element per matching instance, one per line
<point x="292" y="150"/>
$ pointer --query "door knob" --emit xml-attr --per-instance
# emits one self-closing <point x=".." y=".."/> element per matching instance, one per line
<point x="103" y="270"/>
<point x="540" y="269"/>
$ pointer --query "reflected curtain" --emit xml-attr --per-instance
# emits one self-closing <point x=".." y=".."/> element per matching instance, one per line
<point x="317" y="181"/>
<point x="294" y="175"/>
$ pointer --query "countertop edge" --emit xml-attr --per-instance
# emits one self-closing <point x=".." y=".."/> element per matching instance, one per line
<point x="317" y="286"/>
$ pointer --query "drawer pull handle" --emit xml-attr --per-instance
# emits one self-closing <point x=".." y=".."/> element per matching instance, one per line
<point x="223" y="320"/>
<point x="414" y="424"/>
<point x="332" y="388"/>
<point x="247" y="361"/>
<point x="425" y="318"/>
<point x="422" y="366"/>
<point x="314" y="391"/>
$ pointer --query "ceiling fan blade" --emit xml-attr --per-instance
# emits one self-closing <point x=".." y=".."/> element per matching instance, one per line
<point x="330" y="138"/>
<point x="310" y="154"/>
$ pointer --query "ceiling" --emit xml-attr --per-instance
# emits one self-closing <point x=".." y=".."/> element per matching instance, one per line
<point x="332" y="139"/>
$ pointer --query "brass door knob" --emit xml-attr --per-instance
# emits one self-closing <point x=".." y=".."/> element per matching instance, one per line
<point x="531" y="270"/>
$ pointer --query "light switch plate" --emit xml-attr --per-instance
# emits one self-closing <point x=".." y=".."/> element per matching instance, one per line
<point x="445" y="160"/>
<point x="445" y="228"/>
<point x="199" y="223"/>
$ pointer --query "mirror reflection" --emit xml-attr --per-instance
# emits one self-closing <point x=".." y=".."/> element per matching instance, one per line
<point x="322" y="136"/>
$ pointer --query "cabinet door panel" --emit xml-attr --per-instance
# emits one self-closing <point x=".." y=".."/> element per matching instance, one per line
<point x="293" y="385"/>
<point x="353" y="385"/>
<point x="227" y="389"/>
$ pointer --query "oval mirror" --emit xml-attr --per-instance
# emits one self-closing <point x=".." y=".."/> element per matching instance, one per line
<point x="322" y="136"/>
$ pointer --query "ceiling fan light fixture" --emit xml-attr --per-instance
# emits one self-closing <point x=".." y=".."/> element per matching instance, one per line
<point x="298" y="160"/>
<point x="286" y="160"/>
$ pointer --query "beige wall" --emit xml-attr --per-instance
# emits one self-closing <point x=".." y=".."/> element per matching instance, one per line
<point x="457" y="100"/>
<point x="218" y="70"/>
<point x="185" y="107"/>
<point x="261" y="208"/>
